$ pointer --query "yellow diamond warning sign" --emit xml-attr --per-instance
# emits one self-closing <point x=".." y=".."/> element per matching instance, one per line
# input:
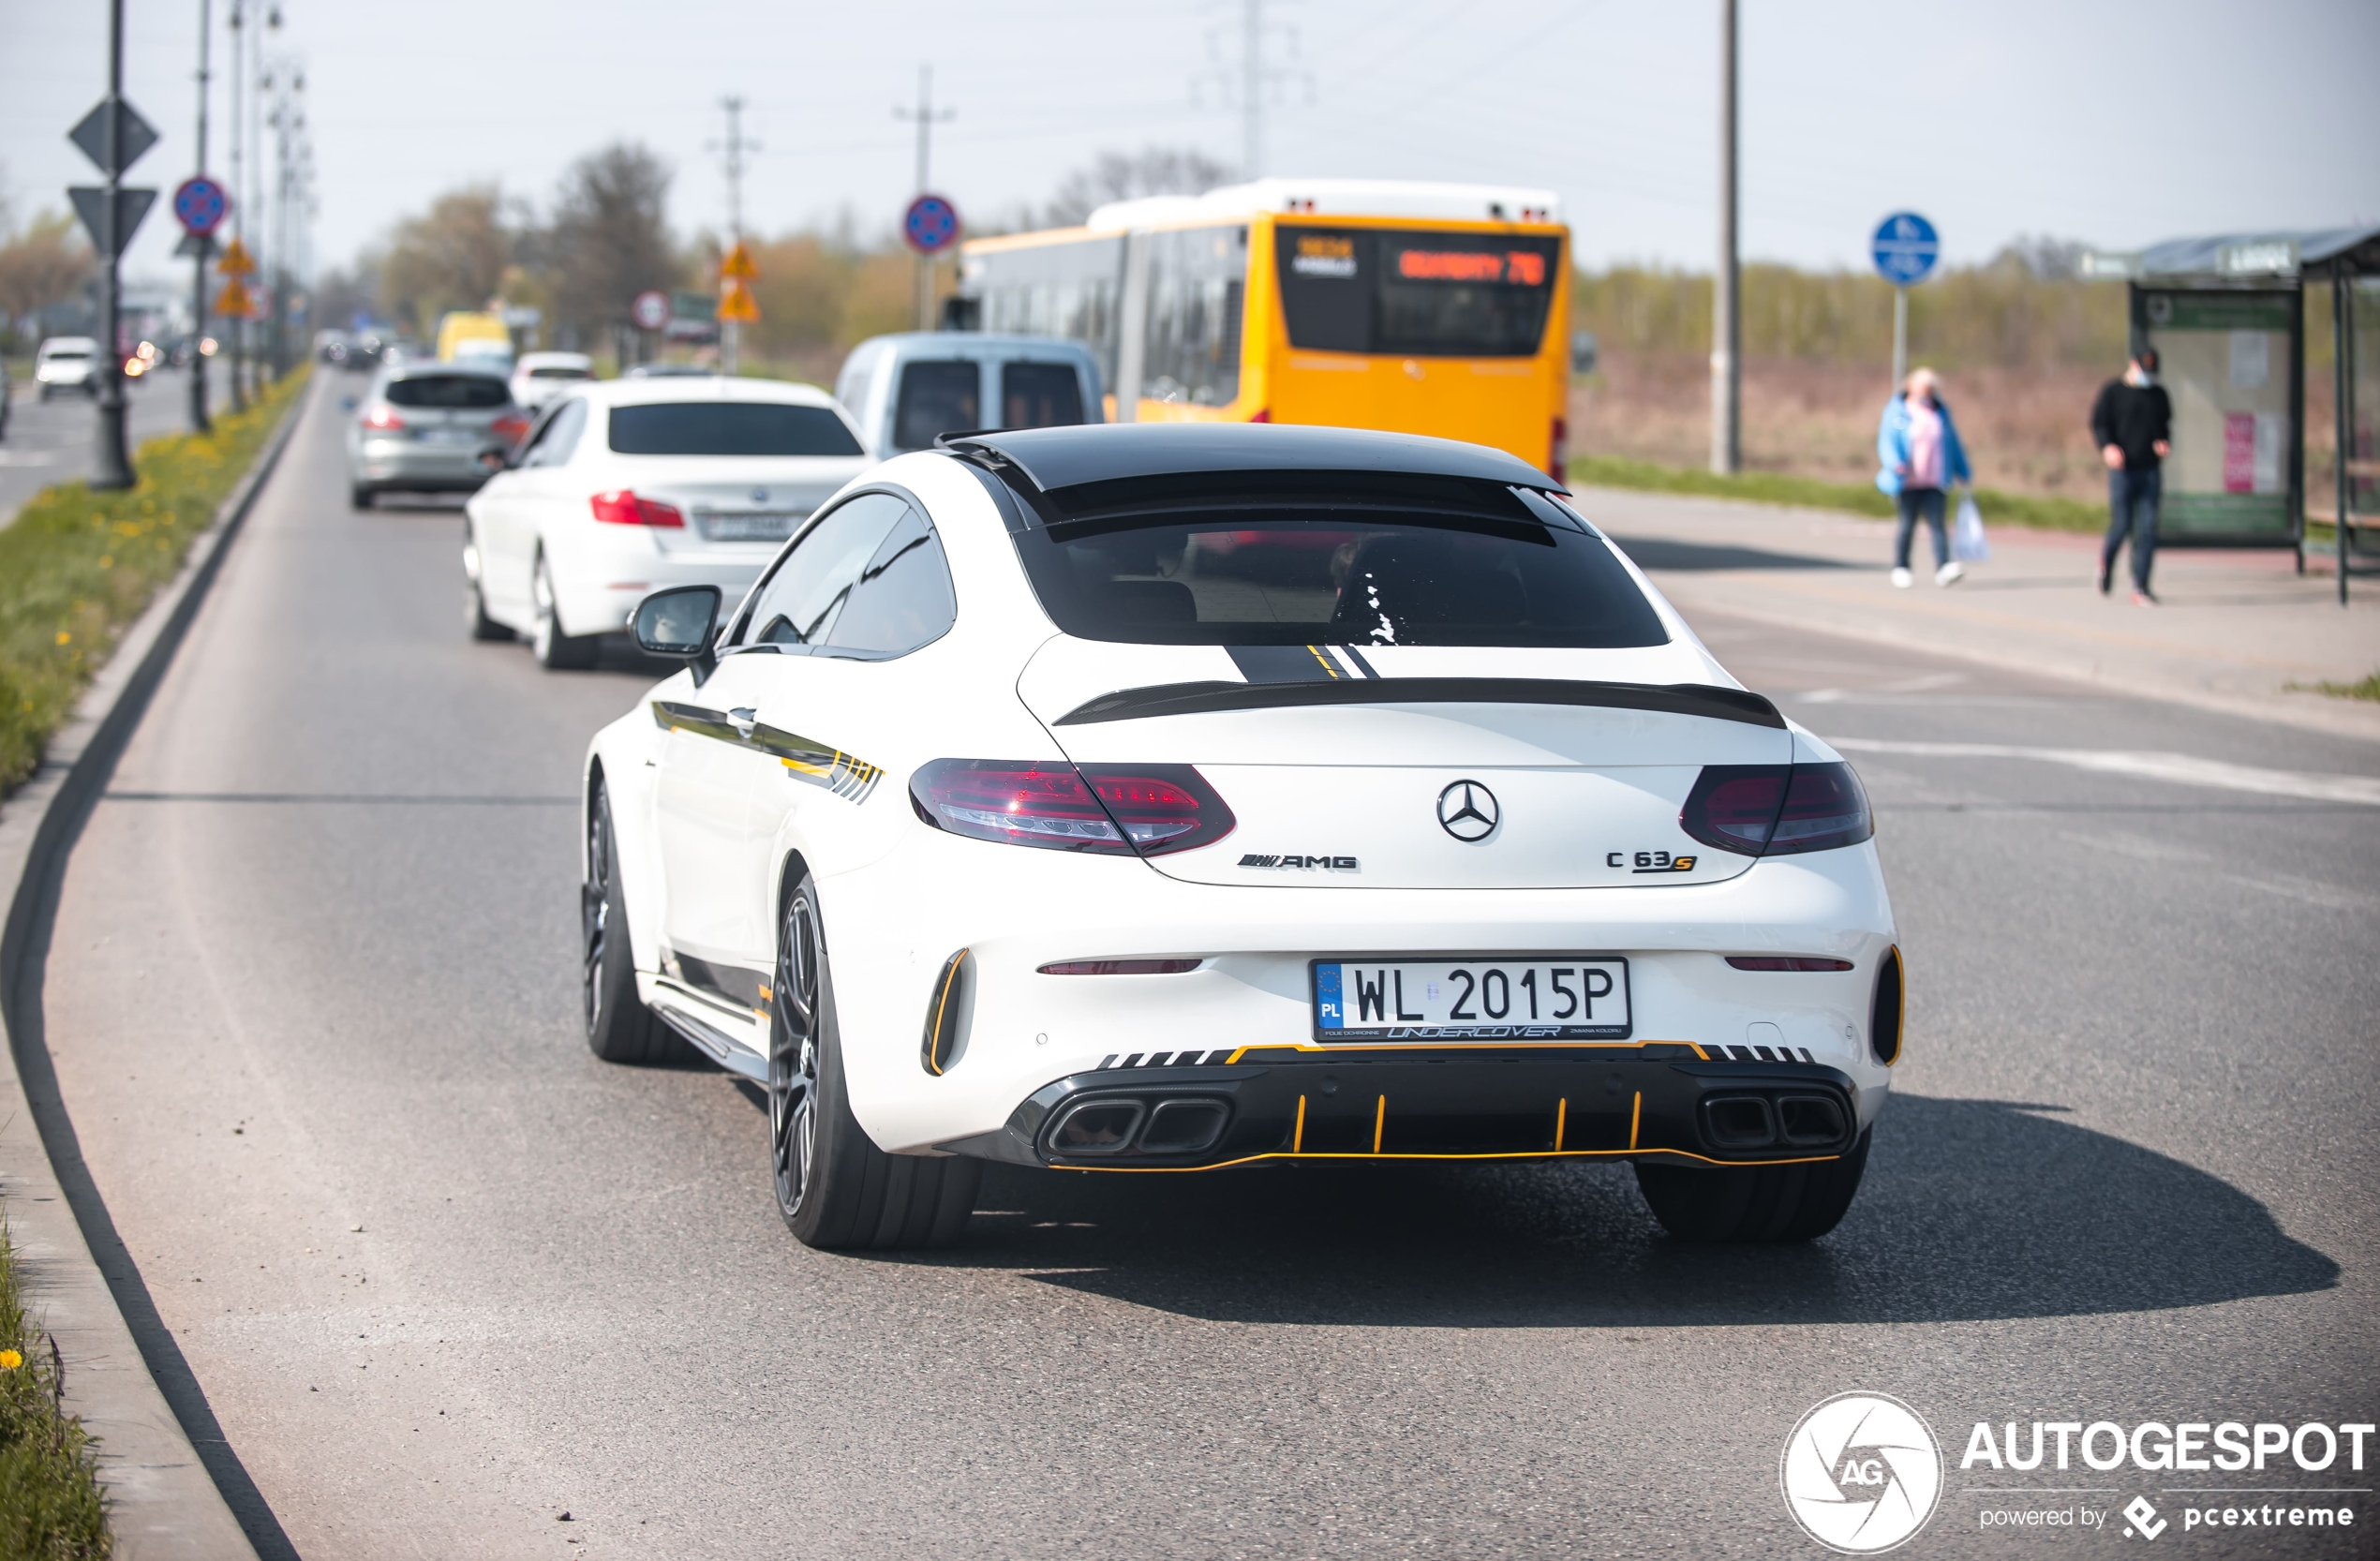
<point x="237" y="261"/>
<point x="234" y="301"/>
<point x="737" y="266"/>
<point x="736" y="302"/>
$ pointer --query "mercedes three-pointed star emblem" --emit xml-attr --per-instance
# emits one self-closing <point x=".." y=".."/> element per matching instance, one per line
<point x="1468" y="811"/>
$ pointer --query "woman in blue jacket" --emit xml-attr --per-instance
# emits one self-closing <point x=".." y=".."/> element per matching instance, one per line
<point x="1918" y="446"/>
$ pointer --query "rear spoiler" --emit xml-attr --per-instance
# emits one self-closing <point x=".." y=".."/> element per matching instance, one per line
<point x="1707" y="700"/>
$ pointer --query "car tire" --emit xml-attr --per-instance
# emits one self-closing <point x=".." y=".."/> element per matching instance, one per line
<point x="554" y="650"/>
<point x="1754" y="1204"/>
<point x="619" y="1028"/>
<point x="475" y="614"/>
<point x="360" y="497"/>
<point x="835" y="1188"/>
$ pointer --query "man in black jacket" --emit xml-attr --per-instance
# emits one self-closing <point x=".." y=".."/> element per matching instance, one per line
<point x="2132" y="423"/>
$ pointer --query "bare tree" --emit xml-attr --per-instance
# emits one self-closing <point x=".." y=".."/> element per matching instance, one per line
<point x="453" y="257"/>
<point x="47" y="263"/>
<point x="2050" y="259"/>
<point x="1122" y="176"/>
<point x="610" y="236"/>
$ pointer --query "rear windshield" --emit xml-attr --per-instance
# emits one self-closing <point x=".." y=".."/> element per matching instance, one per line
<point x="67" y="354"/>
<point x="455" y="391"/>
<point x="936" y="398"/>
<point x="1419" y="294"/>
<point x="559" y="374"/>
<point x="729" y="428"/>
<point x="1039" y="396"/>
<point x="1247" y="577"/>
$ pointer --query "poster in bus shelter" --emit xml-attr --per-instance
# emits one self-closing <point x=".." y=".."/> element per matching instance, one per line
<point x="2229" y="360"/>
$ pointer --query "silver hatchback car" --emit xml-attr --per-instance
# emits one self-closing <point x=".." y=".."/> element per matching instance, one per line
<point x="423" y="428"/>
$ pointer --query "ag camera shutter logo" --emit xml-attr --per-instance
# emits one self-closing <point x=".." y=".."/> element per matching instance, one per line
<point x="1862" y="1473"/>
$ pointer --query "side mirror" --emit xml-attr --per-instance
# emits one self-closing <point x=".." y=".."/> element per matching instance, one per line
<point x="677" y="623"/>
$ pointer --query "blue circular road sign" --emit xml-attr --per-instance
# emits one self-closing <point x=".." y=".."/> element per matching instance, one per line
<point x="931" y="224"/>
<point x="200" y="205"/>
<point x="1905" y="248"/>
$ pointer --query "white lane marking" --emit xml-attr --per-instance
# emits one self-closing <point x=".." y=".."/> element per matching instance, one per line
<point x="2329" y="897"/>
<point x="1903" y="685"/>
<point x="2179" y="768"/>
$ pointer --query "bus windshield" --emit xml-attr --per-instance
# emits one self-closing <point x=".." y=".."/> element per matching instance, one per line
<point x="1417" y="294"/>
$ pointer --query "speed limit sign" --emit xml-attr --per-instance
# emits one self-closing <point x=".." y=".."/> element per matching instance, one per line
<point x="650" y="311"/>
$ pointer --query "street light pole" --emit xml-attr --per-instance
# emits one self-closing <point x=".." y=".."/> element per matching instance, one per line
<point x="238" y="323"/>
<point x="199" y="420"/>
<point x="1726" y="328"/>
<point x="112" y="467"/>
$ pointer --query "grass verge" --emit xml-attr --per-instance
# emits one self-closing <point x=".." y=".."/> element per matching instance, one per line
<point x="52" y="1507"/>
<point x="2365" y="688"/>
<point x="77" y="567"/>
<point x="1860" y="498"/>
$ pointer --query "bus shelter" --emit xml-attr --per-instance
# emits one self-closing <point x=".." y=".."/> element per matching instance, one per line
<point x="2226" y="315"/>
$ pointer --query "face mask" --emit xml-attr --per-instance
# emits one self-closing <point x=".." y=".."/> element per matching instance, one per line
<point x="2140" y="376"/>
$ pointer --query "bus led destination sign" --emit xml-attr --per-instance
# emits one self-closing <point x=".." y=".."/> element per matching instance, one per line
<point x="1519" y="267"/>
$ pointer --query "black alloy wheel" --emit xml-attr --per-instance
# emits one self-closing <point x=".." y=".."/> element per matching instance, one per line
<point x="793" y="1056"/>
<point x="619" y="1028"/>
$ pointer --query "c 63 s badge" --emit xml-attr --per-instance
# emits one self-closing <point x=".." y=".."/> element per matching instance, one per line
<point x="1302" y="864"/>
<point x="1650" y="861"/>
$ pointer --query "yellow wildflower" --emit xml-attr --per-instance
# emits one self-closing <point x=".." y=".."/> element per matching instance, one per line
<point x="10" y="1359"/>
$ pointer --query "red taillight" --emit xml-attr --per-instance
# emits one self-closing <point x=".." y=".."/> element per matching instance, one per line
<point x="383" y="418"/>
<point x="1561" y="450"/>
<point x="1785" y="961"/>
<point x="620" y="507"/>
<point x="509" y="427"/>
<point x="1116" y="811"/>
<point x="1264" y="414"/>
<point x="1777" y="809"/>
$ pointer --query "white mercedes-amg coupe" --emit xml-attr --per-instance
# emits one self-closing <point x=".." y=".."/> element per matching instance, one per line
<point x="1173" y="797"/>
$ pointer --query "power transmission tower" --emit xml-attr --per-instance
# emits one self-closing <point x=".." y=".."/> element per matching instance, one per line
<point x="1249" y="81"/>
<point x="925" y="116"/>
<point x="730" y="151"/>
<point x="1727" y="332"/>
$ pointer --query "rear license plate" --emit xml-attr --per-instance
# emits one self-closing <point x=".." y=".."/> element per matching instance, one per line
<point x="1569" y="997"/>
<point x="758" y="525"/>
<point x="457" y="436"/>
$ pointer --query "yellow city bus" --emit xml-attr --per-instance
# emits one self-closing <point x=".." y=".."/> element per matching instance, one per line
<point x="1421" y="308"/>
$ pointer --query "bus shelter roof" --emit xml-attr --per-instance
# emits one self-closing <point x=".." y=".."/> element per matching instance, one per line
<point x="2320" y="253"/>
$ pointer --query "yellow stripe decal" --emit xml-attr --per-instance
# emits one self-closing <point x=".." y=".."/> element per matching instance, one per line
<point x="1380" y="1124"/>
<point x="1518" y="1155"/>
<point x="1297" y="1141"/>
<point x="1315" y="651"/>
<point x="1562" y="1120"/>
<point x="1635" y="1117"/>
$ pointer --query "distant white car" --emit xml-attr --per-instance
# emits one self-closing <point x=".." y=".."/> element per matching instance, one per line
<point x="626" y="486"/>
<point x="541" y="377"/>
<point x="67" y="363"/>
<point x="1163" y="797"/>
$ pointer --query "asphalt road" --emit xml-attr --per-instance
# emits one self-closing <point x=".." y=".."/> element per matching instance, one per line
<point x="51" y="441"/>
<point x="446" y="1279"/>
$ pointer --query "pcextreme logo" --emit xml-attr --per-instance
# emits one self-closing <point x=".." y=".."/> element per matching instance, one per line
<point x="1861" y="1473"/>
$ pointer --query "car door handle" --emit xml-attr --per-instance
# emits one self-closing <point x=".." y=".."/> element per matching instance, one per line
<point x="742" y="721"/>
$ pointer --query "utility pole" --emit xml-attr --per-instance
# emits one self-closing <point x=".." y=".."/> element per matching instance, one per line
<point x="1252" y="89"/>
<point x="112" y="467"/>
<point x="925" y="116"/>
<point x="199" y="247"/>
<point x="1727" y="335"/>
<point x="732" y="150"/>
<point x="239" y="198"/>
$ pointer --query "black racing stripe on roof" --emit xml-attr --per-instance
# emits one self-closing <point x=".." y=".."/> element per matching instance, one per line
<point x="1066" y="457"/>
<point x="1707" y="700"/>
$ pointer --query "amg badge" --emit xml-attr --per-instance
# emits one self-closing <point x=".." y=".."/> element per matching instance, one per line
<point x="1309" y="864"/>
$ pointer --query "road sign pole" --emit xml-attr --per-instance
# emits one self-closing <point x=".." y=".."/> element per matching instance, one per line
<point x="1900" y="337"/>
<point x="111" y="466"/>
<point x="199" y="422"/>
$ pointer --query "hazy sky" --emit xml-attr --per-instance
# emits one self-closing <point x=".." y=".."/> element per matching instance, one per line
<point x="2116" y="122"/>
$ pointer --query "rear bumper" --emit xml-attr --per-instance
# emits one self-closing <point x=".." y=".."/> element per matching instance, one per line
<point x="1664" y="1102"/>
<point x="445" y="469"/>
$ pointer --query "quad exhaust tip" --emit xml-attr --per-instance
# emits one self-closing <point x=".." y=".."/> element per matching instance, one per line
<point x="1118" y="1124"/>
<point x="1740" y="1121"/>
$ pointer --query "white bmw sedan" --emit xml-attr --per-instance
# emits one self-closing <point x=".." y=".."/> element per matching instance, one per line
<point x="624" y="487"/>
<point x="1170" y="797"/>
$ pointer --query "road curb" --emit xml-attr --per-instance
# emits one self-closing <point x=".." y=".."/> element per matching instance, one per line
<point x="175" y="1485"/>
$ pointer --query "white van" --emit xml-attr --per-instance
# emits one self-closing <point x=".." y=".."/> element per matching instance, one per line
<point x="68" y="364"/>
<point x="904" y="390"/>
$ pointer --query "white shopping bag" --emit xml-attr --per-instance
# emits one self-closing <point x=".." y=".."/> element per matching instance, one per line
<point x="1967" y="541"/>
